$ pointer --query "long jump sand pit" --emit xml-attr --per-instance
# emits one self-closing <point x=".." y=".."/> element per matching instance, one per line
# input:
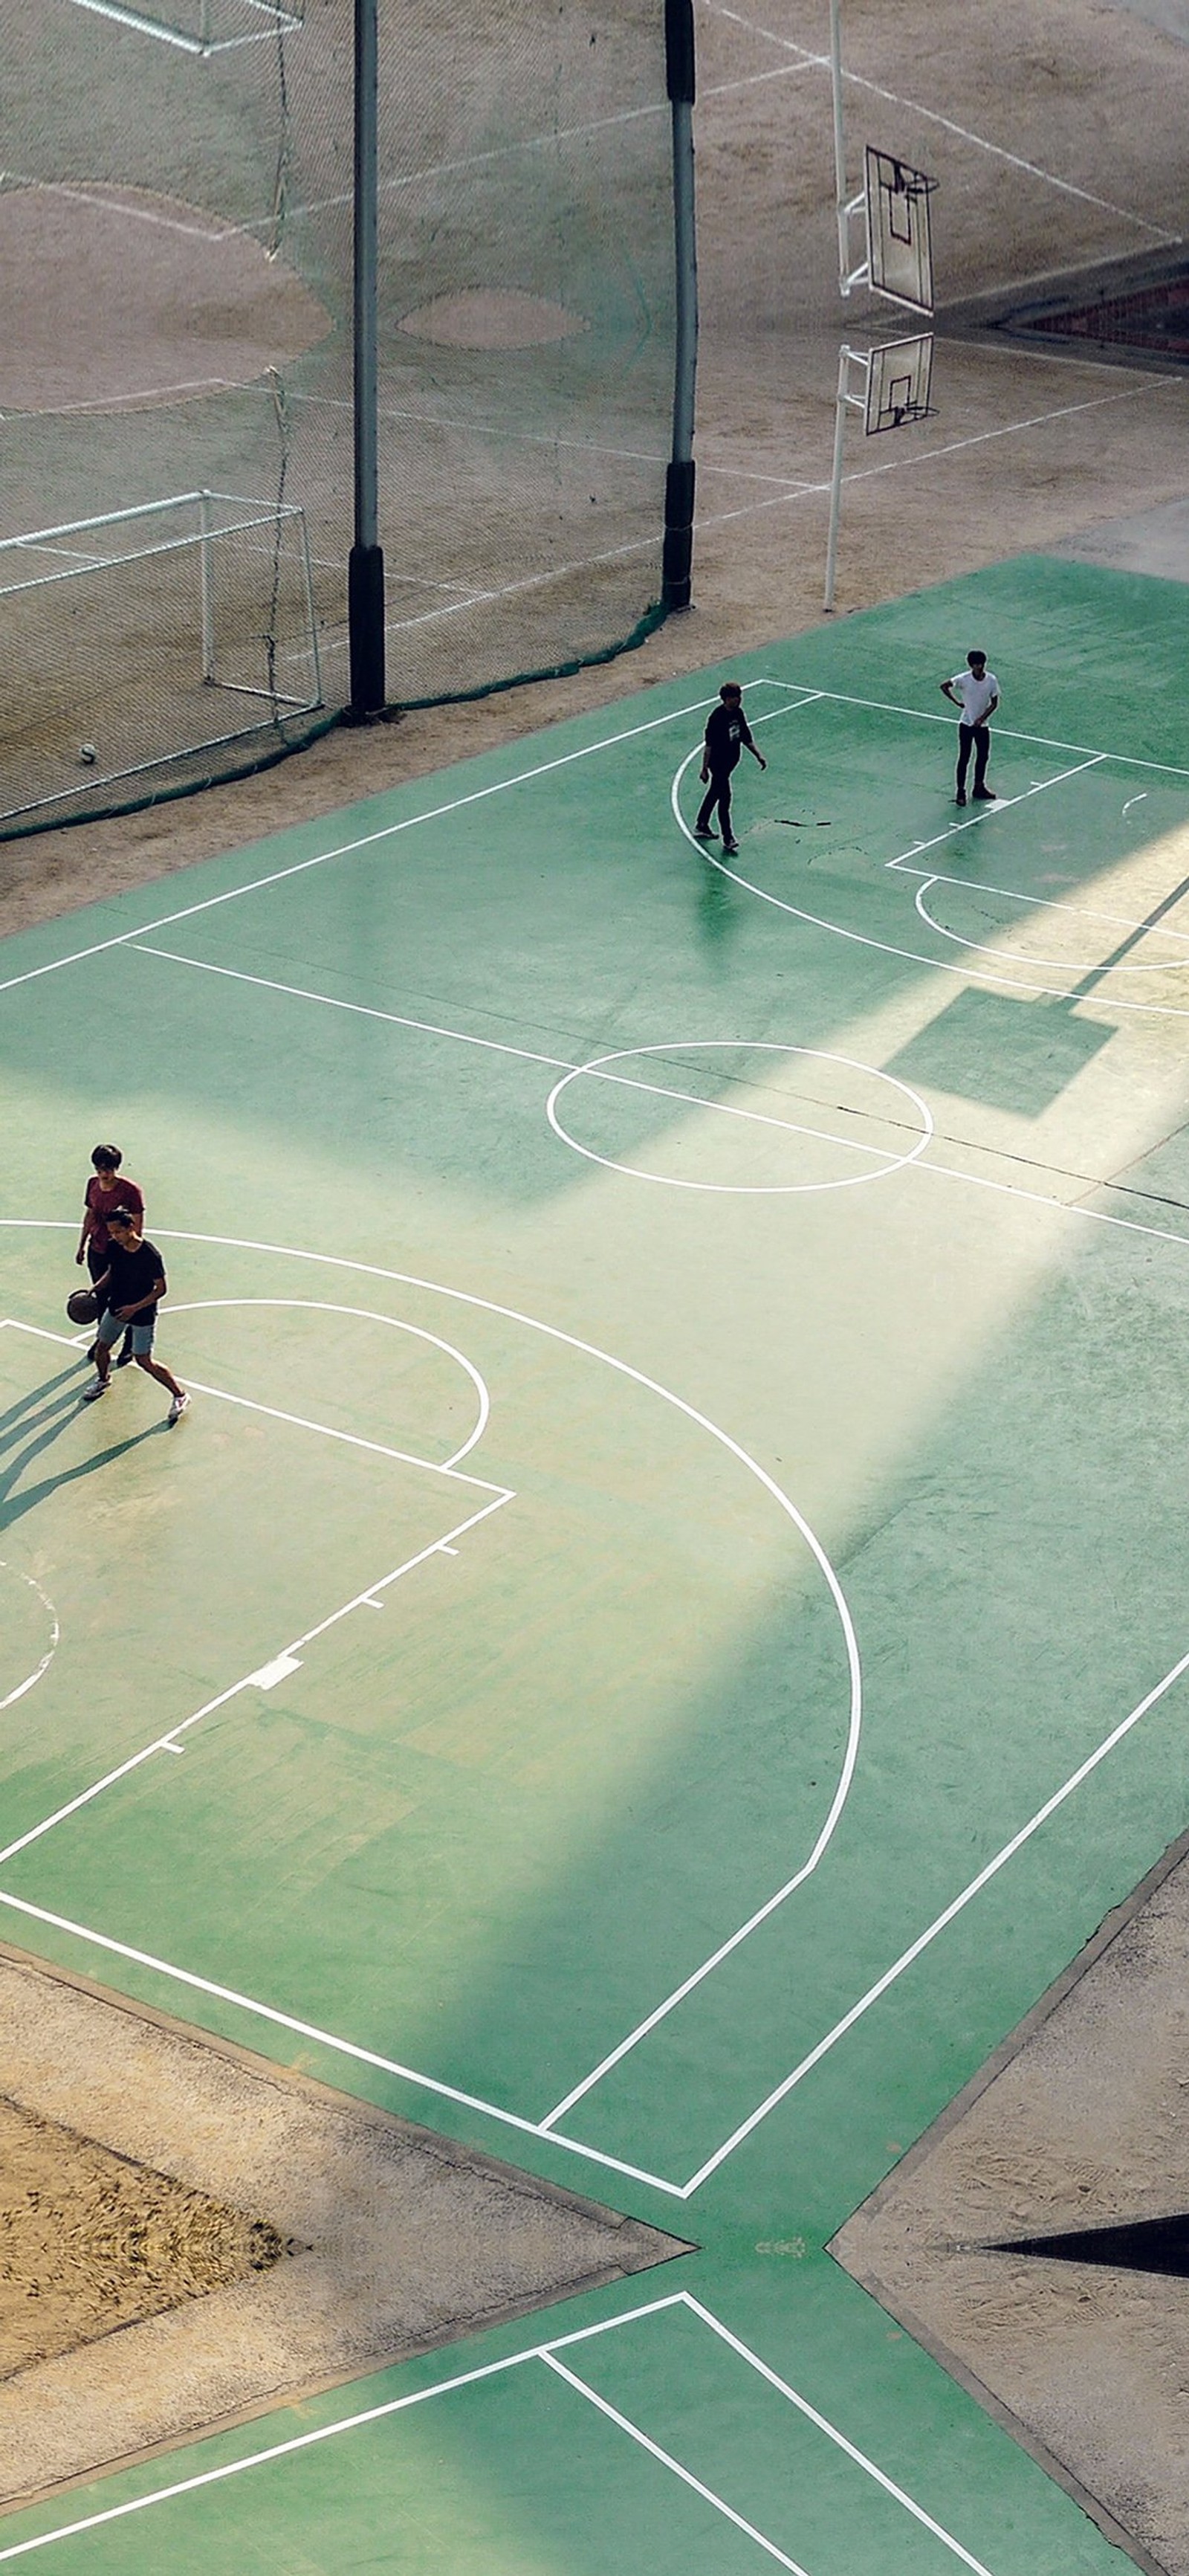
<point x="252" y="2235"/>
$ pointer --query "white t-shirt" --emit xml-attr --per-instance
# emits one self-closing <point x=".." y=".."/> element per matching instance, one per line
<point x="976" y="695"/>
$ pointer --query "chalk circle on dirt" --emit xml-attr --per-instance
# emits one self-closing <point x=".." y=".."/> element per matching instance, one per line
<point x="124" y="300"/>
<point x="29" y="1628"/>
<point x="775" y="1121"/>
<point x="492" y="317"/>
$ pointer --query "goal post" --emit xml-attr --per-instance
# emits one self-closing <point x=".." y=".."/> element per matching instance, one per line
<point x="151" y="634"/>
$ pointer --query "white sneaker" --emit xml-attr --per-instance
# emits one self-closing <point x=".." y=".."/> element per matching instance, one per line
<point x="97" y="1387"/>
<point x="179" y="1406"/>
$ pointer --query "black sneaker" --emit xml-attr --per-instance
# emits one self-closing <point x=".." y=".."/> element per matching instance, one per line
<point x="702" y="832"/>
<point x="985" y="796"/>
<point x="731" y="848"/>
<point x="960" y="798"/>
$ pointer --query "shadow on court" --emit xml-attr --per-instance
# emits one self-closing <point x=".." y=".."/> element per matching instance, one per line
<point x="30" y="1427"/>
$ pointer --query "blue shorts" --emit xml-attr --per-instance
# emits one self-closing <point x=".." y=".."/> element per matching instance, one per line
<point x="110" y="1329"/>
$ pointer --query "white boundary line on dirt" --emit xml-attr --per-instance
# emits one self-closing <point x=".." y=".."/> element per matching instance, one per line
<point x="933" y="116"/>
<point x="544" y="2352"/>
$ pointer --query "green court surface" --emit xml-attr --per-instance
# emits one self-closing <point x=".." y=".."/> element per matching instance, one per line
<point x="662" y="1631"/>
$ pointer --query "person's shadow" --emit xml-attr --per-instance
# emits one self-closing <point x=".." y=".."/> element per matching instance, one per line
<point x="30" y="1427"/>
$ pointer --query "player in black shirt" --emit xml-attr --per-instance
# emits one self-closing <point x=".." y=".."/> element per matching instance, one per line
<point x="727" y="733"/>
<point x="129" y="1292"/>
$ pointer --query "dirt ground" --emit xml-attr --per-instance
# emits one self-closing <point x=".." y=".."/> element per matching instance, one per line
<point x="373" y="2239"/>
<point x="1055" y="129"/>
<point x="1078" y="2123"/>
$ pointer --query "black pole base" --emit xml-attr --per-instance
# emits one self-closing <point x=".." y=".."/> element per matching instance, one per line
<point x="365" y="620"/>
<point x="678" y="555"/>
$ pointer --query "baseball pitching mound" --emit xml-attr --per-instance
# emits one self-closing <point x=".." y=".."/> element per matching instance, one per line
<point x="492" y="318"/>
<point x="117" y="300"/>
<point x="190" y="2235"/>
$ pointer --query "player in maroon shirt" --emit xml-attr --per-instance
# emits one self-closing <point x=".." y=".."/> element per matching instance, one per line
<point x="104" y="1191"/>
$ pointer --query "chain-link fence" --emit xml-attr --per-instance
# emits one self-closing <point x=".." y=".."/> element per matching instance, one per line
<point x="176" y="226"/>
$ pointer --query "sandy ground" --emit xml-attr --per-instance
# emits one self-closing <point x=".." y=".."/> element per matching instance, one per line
<point x="1078" y="2123"/>
<point x="373" y="2239"/>
<point x="1055" y="129"/>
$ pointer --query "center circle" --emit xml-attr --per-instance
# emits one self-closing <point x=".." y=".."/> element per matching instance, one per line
<point x="877" y="1160"/>
<point x="30" y="1628"/>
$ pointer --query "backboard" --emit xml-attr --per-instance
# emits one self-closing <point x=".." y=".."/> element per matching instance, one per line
<point x="899" y="377"/>
<point x="899" y="244"/>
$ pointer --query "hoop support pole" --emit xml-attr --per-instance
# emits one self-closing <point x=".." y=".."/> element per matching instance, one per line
<point x="844" y="401"/>
<point x="365" y="572"/>
<point x="677" y="558"/>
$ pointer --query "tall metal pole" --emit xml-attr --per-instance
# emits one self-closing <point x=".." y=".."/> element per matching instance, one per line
<point x="840" y="411"/>
<point x="679" y="480"/>
<point x="840" y="195"/>
<point x="365" y="572"/>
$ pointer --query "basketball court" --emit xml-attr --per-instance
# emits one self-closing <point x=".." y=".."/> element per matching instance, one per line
<point x="660" y="1635"/>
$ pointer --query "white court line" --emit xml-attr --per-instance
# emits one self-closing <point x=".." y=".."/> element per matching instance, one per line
<point x="561" y="1064"/>
<point x="823" y="2425"/>
<point x="1009" y="733"/>
<point x="398" y="1324"/>
<point x="667" y="2461"/>
<point x="940" y="1924"/>
<point x="431" y="2084"/>
<point x="31" y="1679"/>
<point x="1001" y="805"/>
<point x="328" y="2432"/>
<point x="969" y="973"/>
<point x="300" y="1421"/>
<point x="365" y="841"/>
<point x="623" y="1368"/>
<point x="1095" y="966"/>
<point x="329" y="2039"/>
<point x="492" y="2370"/>
<point x="933" y="116"/>
<point x="168" y="1741"/>
<point x="1039" y="902"/>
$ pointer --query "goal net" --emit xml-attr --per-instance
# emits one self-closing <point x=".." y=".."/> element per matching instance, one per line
<point x="148" y="637"/>
<point x="176" y="225"/>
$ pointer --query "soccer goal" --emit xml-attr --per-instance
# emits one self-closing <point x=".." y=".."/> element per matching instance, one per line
<point x="148" y="635"/>
<point x="202" y="26"/>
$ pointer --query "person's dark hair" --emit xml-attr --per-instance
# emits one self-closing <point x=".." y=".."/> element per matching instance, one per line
<point x="122" y="1216"/>
<point x="730" y="689"/>
<point x="107" y="1158"/>
<point x="972" y="658"/>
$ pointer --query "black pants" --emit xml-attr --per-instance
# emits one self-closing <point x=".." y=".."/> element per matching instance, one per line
<point x="980" y="736"/>
<point x="718" y="793"/>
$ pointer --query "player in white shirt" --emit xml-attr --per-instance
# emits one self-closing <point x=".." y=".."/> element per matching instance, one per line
<point x="975" y="694"/>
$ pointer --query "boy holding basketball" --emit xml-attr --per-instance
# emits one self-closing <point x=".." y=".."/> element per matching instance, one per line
<point x="130" y="1291"/>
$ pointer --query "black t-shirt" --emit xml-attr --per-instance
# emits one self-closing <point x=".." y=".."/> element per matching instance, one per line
<point x="133" y="1273"/>
<point x="726" y="733"/>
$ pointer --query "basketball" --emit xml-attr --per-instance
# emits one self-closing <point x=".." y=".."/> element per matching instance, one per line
<point x="82" y="1306"/>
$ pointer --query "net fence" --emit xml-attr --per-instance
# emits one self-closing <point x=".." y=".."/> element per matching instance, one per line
<point x="176" y="222"/>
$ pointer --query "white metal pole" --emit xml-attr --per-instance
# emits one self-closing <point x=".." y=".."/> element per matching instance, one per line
<point x="840" y="193"/>
<point x="208" y="605"/>
<point x="840" y="411"/>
